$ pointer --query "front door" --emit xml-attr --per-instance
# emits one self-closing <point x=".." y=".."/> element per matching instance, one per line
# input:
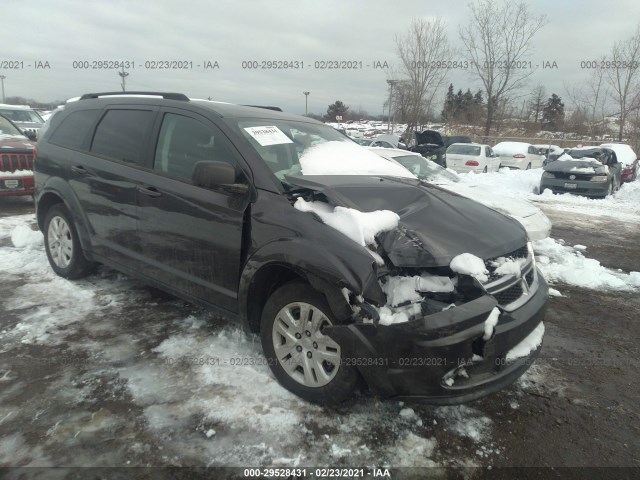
<point x="191" y="237"/>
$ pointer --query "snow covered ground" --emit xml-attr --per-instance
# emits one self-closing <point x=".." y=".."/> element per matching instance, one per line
<point x="194" y="388"/>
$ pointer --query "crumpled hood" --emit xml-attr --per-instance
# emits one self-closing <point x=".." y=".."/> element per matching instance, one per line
<point x="431" y="137"/>
<point x="571" y="165"/>
<point x="435" y="224"/>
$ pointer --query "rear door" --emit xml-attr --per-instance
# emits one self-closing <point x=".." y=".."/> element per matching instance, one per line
<point x="192" y="236"/>
<point x="105" y="179"/>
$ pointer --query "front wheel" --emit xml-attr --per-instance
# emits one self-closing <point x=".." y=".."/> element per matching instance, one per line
<point x="304" y="360"/>
<point x="63" y="245"/>
<point x="485" y="169"/>
<point x="528" y="166"/>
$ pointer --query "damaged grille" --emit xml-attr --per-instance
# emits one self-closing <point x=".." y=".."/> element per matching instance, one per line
<point x="511" y="290"/>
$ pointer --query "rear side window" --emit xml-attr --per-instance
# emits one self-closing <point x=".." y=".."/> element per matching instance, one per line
<point x="185" y="141"/>
<point x="73" y="130"/>
<point x="122" y="134"/>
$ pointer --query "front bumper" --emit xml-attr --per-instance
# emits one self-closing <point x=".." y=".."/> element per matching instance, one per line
<point x="583" y="187"/>
<point x="413" y="360"/>
<point x="16" y="185"/>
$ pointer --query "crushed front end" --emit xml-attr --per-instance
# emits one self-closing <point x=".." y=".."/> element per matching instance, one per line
<point x="445" y="351"/>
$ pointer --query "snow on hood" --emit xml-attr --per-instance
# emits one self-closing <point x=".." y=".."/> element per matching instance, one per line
<point x="361" y="227"/>
<point x="511" y="148"/>
<point x="586" y="165"/>
<point x="434" y="223"/>
<point x="346" y="158"/>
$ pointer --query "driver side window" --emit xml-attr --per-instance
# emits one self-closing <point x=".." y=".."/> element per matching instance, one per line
<point x="185" y="141"/>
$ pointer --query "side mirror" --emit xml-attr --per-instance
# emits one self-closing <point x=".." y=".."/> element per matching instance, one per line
<point x="30" y="135"/>
<point x="217" y="176"/>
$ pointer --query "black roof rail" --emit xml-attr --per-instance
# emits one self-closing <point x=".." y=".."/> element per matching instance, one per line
<point x="277" y="109"/>
<point x="166" y="95"/>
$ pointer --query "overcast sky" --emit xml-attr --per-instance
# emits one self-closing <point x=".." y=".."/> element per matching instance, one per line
<point x="63" y="31"/>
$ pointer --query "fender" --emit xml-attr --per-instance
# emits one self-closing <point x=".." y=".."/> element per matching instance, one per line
<point x="327" y="270"/>
<point x="60" y="188"/>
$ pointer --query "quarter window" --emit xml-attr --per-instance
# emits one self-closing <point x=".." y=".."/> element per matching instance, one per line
<point x="73" y="130"/>
<point x="122" y="134"/>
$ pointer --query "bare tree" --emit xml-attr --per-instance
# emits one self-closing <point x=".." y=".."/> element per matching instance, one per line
<point x="591" y="96"/>
<point x="625" y="63"/>
<point x="423" y="52"/>
<point x="536" y="103"/>
<point x="497" y="42"/>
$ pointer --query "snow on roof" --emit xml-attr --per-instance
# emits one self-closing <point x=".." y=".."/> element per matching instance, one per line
<point x="346" y="158"/>
<point x="511" y="148"/>
<point x="624" y="152"/>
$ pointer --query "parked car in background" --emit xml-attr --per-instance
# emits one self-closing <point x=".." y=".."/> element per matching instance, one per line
<point x="533" y="219"/>
<point x="217" y="203"/>
<point x="589" y="171"/>
<point x="472" y="157"/>
<point x="16" y="160"/>
<point x="518" y="155"/>
<point x="628" y="158"/>
<point x="25" y="117"/>
<point x="432" y="145"/>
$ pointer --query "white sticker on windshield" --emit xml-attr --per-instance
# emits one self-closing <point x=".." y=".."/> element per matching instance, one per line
<point x="269" y="135"/>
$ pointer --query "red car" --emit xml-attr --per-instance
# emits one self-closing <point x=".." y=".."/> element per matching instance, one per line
<point x="16" y="160"/>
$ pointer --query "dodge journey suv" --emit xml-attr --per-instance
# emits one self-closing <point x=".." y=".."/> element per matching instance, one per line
<point x="351" y="272"/>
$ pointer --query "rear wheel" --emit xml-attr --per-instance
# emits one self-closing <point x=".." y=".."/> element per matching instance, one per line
<point x="63" y="245"/>
<point x="303" y="359"/>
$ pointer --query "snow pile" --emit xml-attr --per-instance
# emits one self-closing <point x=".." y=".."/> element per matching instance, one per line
<point x="528" y="345"/>
<point x="468" y="264"/>
<point x="346" y="158"/>
<point x="24" y="237"/>
<point x="561" y="263"/>
<point x="509" y="266"/>
<point x="400" y="290"/>
<point x="465" y="421"/>
<point x="393" y="316"/>
<point x="523" y="183"/>
<point x="490" y="323"/>
<point x="361" y="227"/>
<point x="17" y="173"/>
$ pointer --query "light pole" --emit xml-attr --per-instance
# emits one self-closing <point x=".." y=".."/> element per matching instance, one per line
<point x="391" y="83"/>
<point x="2" y="77"/>
<point x="124" y="75"/>
<point x="306" y="98"/>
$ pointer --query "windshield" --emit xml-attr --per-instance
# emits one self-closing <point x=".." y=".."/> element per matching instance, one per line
<point x="472" y="150"/>
<point x="6" y="128"/>
<point x="21" y="116"/>
<point x="426" y="169"/>
<point x="583" y="153"/>
<point x="290" y="147"/>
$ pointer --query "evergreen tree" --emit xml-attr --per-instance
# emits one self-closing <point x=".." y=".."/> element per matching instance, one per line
<point x="553" y="111"/>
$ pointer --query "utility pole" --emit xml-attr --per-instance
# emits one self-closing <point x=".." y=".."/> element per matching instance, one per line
<point x="391" y="83"/>
<point x="2" y="77"/>
<point x="306" y="98"/>
<point x="123" y="75"/>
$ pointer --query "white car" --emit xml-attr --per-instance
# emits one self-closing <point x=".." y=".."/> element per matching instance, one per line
<point x="518" y="155"/>
<point x="472" y="157"/>
<point x="535" y="222"/>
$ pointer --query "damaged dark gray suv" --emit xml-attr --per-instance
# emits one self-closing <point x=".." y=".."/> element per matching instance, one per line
<point x="352" y="271"/>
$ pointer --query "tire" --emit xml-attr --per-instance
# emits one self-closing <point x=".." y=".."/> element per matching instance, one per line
<point x="289" y="344"/>
<point x="486" y="169"/>
<point x="63" y="245"/>
<point x="528" y="166"/>
<point x="610" y="190"/>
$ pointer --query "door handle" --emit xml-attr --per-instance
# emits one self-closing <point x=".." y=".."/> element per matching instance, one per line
<point x="149" y="191"/>
<point x="80" y="170"/>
